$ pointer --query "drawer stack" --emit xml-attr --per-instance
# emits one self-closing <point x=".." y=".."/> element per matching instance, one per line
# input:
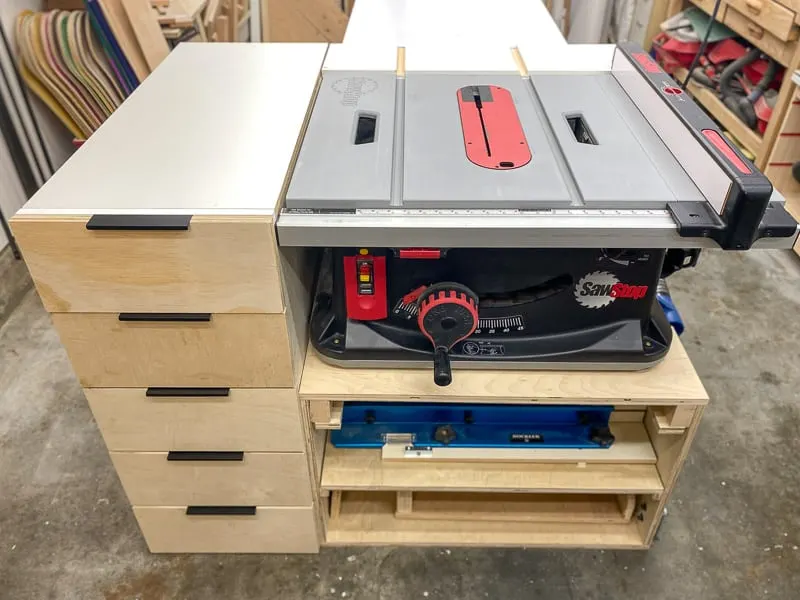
<point x="176" y="328"/>
<point x="769" y="25"/>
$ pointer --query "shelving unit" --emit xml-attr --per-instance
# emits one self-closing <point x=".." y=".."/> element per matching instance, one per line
<point x="771" y="25"/>
<point x="574" y="498"/>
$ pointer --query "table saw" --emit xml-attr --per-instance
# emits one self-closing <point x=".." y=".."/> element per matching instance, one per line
<point x="513" y="217"/>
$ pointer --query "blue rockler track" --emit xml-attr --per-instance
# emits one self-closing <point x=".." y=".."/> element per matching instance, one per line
<point x="365" y="425"/>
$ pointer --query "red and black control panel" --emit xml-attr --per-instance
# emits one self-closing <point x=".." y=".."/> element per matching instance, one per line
<point x="365" y="286"/>
<point x="748" y="213"/>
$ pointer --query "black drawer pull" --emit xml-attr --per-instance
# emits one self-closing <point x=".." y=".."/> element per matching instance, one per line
<point x="139" y="222"/>
<point x="242" y="511"/>
<point x="205" y="455"/>
<point x="184" y="317"/>
<point x="178" y="392"/>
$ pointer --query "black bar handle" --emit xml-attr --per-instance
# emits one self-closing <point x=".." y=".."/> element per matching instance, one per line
<point x="139" y="222"/>
<point x="442" y="375"/>
<point x="204" y="455"/>
<point x="191" y="392"/>
<point x="166" y="317"/>
<point x="239" y="511"/>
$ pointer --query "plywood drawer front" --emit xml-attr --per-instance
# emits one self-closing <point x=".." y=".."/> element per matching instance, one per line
<point x="271" y="529"/>
<point x="226" y="351"/>
<point x="264" y="479"/>
<point x="785" y="151"/>
<point x="772" y="16"/>
<point x="759" y="36"/>
<point x="253" y="420"/>
<point x="218" y="264"/>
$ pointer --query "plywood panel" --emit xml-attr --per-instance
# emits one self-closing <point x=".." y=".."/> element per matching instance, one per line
<point x="271" y="529"/>
<point x="252" y="420"/>
<point x="263" y="479"/>
<point x="673" y="381"/>
<point x="144" y="22"/>
<point x="786" y="150"/>
<point x="364" y="469"/>
<point x="368" y="518"/>
<point x="770" y="15"/>
<point x="125" y="36"/>
<point x="220" y="264"/>
<point x="515" y="508"/>
<point x="302" y="21"/>
<point x="781" y="51"/>
<point x="228" y="351"/>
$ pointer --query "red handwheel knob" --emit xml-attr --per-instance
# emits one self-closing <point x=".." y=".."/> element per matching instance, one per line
<point x="448" y="313"/>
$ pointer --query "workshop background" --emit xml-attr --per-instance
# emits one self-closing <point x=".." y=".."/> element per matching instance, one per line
<point x="733" y="525"/>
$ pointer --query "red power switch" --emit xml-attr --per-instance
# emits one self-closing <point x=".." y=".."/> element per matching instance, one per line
<point x="366" y="277"/>
<point x="365" y="287"/>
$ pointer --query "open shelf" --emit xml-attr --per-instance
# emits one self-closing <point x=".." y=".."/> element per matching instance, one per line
<point x="515" y="508"/>
<point x="567" y="499"/>
<point x="366" y="469"/>
<point x="711" y="102"/>
<point x="371" y="518"/>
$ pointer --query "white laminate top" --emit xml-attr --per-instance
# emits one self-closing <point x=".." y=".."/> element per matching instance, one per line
<point x="491" y="58"/>
<point x="571" y="58"/>
<point x="453" y="35"/>
<point x="211" y="131"/>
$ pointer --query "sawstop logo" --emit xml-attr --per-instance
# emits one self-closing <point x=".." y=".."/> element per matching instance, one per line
<point x="600" y="288"/>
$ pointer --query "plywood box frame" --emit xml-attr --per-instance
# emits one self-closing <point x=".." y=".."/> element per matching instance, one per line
<point x="374" y="503"/>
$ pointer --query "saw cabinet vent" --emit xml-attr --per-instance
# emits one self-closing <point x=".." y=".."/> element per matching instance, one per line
<point x="580" y="129"/>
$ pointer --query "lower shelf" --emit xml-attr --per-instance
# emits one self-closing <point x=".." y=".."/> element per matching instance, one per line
<point x="516" y="508"/>
<point x="371" y="518"/>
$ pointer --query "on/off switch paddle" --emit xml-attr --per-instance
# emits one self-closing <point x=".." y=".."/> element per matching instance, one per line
<point x="448" y="313"/>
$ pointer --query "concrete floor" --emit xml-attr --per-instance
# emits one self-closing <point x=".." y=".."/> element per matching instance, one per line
<point x="732" y="532"/>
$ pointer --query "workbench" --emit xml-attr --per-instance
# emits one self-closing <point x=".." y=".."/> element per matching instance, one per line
<point x="157" y="257"/>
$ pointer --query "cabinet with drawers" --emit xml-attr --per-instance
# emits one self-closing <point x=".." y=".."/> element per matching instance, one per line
<point x="773" y="26"/>
<point x="158" y="262"/>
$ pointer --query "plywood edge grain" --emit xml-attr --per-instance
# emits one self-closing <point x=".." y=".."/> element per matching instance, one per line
<point x="369" y="519"/>
<point x="364" y="469"/>
<point x="673" y="381"/>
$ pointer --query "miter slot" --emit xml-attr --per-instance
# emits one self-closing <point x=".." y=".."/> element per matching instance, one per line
<point x="398" y="144"/>
<point x="559" y="159"/>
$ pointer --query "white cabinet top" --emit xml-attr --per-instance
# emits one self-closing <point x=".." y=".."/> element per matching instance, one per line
<point x="451" y="35"/>
<point x="211" y="131"/>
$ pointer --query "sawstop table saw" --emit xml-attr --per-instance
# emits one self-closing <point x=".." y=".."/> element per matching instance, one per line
<point x="515" y="218"/>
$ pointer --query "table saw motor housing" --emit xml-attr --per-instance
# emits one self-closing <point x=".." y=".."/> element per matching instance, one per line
<point x="576" y="308"/>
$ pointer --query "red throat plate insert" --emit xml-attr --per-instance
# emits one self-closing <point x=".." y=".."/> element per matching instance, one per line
<point x="493" y="136"/>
